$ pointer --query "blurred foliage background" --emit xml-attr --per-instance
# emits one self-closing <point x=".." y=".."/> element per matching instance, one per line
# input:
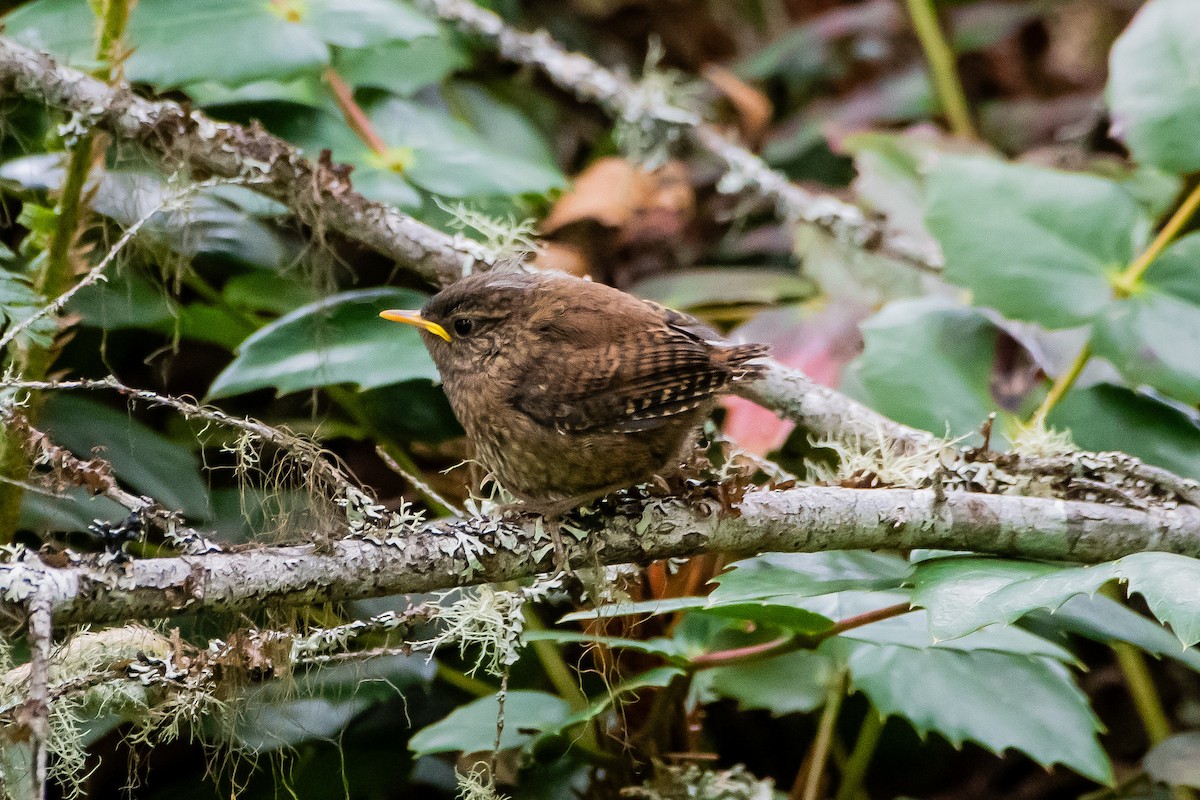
<point x="1042" y="158"/>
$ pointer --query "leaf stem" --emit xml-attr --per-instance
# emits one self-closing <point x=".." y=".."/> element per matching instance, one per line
<point x="1127" y="282"/>
<point x="792" y="642"/>
<point x="855" y="770"/>
<point x="943" y="68"/>
<point x="1062" y="385"/>
<point x="808" y="783"/>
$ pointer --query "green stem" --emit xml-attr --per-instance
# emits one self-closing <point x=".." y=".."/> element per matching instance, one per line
<point x="943" y="67"/>
<point x="855" y="770"/>
<point x="1130" y="279"/>
<point x="1062" y="385"/>
<point x="1141" y="688"/>
<point x="553" y="664"/>
<point x="810" y="787"/>
<point x="466" y="683"/>
<point x="112" y="28"/>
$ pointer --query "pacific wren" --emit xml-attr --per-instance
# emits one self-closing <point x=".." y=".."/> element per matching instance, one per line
<point x="569" y="389"/>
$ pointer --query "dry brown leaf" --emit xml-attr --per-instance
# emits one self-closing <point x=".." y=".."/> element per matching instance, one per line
<point x="753" y="108"/>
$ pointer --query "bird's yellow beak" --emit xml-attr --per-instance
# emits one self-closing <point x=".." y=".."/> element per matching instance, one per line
<point x="414" y="318"/>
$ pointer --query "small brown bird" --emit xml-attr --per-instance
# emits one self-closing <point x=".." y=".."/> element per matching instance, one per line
<point x="570" y="389"/>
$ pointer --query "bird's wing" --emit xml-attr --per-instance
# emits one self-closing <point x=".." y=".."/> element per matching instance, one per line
<point x="626" y="380"/>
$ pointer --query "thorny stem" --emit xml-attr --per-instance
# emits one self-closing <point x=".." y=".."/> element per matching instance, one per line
<point x="855" y="769"/>
<point x="1124" y="285"/>
<point x="943" y="67"/>
<point x="810" y="787"/>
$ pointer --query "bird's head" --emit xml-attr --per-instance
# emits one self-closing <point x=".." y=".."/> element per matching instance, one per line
<point x="473" y="320"/>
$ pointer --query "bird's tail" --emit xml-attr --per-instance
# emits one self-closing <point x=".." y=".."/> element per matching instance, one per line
<point x="739" y="359"/>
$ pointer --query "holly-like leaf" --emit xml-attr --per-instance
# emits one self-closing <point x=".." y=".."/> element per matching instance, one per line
<point x="795" y="682"/>
<point x="1175" y="761"/>
<point x="1105" y="620"/>
<point x="1035" y="244"/>
<point x="1152" y="85"/>
<point x="338" y="340"/>
<point x="969" y="696"/>
<point x="774" y="575"/>
<point x="966" y="594"/>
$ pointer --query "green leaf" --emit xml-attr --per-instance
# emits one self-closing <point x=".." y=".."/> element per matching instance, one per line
<point x="141" y="458"/>
<point x="609" y="610"/>
<point x="451" y="159"/>
<point x="125" y="300"/>
<point x="1175" y="761"/>
<point x="472" y="728"/>
<point x="415" y="410"/>
<point x="719" y="286"/>
<point x="1107" y="417"/>
<point x="966" y="594"/>
<point x="665" y="648"/>
<point x="1153" y="337"/>
<point x="70" y="512"/>
<point x="973" y="696"/>
<point x="322" y="702"/>
<point x="913" y="630"/>
<point x="19" y="302"/>
<point x="402" y="67"/>
<point x="774" y="575"/>
<point x="205" y="222"/>
<point x="337" y="340"/>
<point x="786" y="684"/>
<point x="1104" y="620"/>
<point x="268" y="291"/>
<point x="927" y="363"/>
<point x="175" y="42"/>
<point x="1035" y="244"/>
<point x="1154" y="75"/>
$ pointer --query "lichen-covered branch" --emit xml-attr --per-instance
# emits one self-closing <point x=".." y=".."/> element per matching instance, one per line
<point x="320" y="193"/>
<point x="626" y="100"/>
<point x="422" y="558"/>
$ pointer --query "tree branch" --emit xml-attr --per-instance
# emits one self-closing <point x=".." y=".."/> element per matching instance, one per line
<point x="320" y="193"/>
<point x="443" y="555"/>
<point x="744" y="171"/>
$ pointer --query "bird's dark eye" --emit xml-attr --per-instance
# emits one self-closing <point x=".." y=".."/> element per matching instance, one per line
<point x="463" y="326"/>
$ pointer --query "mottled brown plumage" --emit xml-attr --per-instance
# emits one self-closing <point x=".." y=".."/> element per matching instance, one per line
<point x="569" y="388"/>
